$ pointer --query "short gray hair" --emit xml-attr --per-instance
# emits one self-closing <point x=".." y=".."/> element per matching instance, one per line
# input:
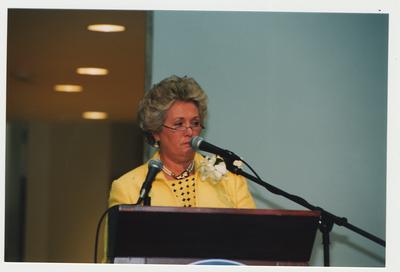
<point x="157" y="101"/>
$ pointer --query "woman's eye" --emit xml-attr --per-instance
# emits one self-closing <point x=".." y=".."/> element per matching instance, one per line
<point x="196" y="123"/>
<point x="179" y="124"/>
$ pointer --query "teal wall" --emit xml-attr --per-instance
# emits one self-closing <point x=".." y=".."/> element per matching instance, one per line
<point x="302" y="97"/>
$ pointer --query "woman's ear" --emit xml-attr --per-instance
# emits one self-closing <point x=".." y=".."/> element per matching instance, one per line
<point x="156" y="136"/>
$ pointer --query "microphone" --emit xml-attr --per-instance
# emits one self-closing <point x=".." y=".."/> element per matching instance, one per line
<point x="198" y="143"/>
<point x="155" y="166"/>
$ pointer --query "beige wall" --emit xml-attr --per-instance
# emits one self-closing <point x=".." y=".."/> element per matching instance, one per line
<point x="70" y="168"/>
<point x="37" y="199"/>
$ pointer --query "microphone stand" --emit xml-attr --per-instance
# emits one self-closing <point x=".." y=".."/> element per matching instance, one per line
<point x="326" y="221"/>
<point x="145" y="200"/>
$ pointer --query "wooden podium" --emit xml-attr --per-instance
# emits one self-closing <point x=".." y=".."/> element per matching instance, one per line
<point x="182" y="235"/>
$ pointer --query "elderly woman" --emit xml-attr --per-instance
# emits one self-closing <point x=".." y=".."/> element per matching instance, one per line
<point x="170" y="114"/>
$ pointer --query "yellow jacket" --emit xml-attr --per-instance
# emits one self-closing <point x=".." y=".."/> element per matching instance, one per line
<point x="230" y="192"/>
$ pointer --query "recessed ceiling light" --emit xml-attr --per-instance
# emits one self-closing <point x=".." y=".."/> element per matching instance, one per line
<point x="106" y="28"/>
<point x="93" y="71"/>
<point x="95" y="115"/>
<point x="68" y="88"/>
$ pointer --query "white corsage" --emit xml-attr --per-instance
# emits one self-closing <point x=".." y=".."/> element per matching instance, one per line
<point x="212" y="168"/>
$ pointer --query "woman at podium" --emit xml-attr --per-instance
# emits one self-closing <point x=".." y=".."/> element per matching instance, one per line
<point x="171" y="113"/>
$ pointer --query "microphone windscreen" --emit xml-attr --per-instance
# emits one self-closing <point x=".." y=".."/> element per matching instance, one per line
<point x="195" y="142"/>
<point x="155" y="164"/>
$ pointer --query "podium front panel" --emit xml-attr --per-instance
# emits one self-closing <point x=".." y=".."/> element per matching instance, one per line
<point x="241" y="234"/>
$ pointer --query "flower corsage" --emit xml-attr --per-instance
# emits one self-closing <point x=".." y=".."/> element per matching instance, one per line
<point x="212" y="168"/>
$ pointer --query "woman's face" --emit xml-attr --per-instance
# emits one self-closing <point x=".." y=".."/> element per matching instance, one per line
<point x="176" y="133"/>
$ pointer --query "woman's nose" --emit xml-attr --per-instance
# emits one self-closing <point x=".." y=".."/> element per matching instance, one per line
<point x="189" y="131"/>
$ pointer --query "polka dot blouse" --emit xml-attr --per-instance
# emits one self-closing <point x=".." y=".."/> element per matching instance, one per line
<point x="184" y="190"/>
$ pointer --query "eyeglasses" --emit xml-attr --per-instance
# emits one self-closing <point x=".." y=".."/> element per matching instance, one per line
<point x="195" y="126"/>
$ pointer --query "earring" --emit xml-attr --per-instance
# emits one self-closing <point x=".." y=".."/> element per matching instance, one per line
<point x="156" y="144"/>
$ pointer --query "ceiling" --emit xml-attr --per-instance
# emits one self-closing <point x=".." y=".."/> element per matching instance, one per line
<point x="46" y="46"/>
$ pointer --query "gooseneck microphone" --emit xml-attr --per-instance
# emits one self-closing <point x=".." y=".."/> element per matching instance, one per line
<point x="198" y="143"/>
<point x="155" y="166"/>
